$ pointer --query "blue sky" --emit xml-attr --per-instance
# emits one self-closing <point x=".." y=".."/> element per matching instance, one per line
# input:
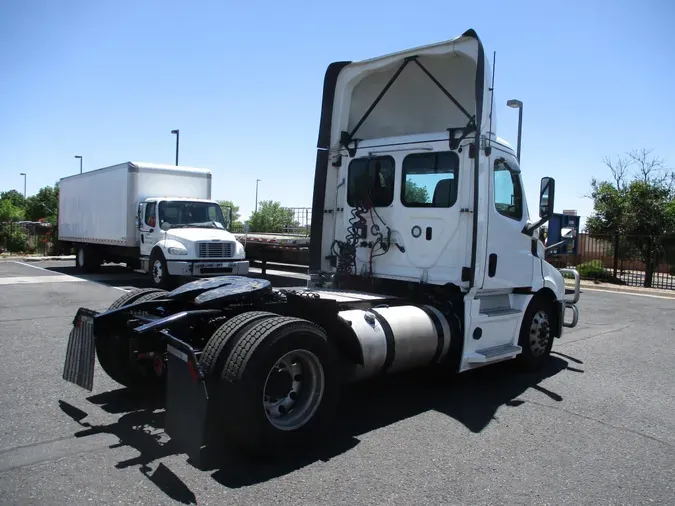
<point x="109" y="80"/>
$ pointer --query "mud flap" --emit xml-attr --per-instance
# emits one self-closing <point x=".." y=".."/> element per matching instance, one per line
<point x="78" y="367"/>
<point x="186" y="405"/>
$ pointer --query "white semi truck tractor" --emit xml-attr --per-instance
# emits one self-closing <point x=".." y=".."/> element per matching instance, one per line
<point x="423" y="254"/>
<point x="156" y="218"/>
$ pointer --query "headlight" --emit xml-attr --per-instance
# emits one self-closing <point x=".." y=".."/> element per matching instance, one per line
<point x="240" y="251"/>
<point x="177" y="250"/>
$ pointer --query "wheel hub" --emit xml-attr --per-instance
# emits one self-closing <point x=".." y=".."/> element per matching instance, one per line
<point x="540" y="333"/>
<point x="293" y="390"/>
<point x="157" y="271"/>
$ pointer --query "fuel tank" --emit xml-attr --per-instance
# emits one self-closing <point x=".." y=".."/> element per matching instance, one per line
<point x="394" y="339"/>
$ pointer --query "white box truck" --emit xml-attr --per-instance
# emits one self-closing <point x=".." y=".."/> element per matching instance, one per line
<point x="156" y="218"/>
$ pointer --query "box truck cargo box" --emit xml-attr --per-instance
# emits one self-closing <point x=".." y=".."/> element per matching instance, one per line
<point x="157" y="218"/>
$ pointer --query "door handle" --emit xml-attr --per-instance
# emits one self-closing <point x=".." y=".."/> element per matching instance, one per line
<point x="492" y="265"/>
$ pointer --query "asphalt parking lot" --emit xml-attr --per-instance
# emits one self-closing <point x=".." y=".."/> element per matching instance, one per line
<point x="596" y="427"/>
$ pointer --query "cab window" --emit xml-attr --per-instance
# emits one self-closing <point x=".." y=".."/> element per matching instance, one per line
<point x="150" y="219"/>
<point x="508" y="193"/>
<point x="430" y="179"/>
<point x="370" y="181"/>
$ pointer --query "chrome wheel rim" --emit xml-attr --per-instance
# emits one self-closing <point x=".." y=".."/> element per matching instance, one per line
<point x="540" y="333"/>
<point x="157" y="273"/>
<point x="293" y="390"/>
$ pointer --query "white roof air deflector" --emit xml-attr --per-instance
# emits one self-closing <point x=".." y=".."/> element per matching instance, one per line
<point x="432" y="89"/>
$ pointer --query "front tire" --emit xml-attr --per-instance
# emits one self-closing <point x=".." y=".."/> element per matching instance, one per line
<point x="159" y="271"/>
<point x="281" y="383"/>
<point x="536" y="334"/>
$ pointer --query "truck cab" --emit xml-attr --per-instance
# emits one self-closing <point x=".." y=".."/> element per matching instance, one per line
<point x="415" y="193"/>
<point x="186" y="237"/>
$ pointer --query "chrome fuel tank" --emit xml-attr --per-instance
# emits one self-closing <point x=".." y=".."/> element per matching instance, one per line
<point x="396" y="338"/>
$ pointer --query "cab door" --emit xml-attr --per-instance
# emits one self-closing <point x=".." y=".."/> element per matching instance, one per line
<point x="509" y="262"/>
<point x="149" y="230"/>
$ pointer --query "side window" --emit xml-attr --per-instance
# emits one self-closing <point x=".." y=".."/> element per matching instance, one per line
<point x="430" y="179"/>
<point x="150" y="214"/>
<point x="507" y="191"/>
<point x="371" y="180"/>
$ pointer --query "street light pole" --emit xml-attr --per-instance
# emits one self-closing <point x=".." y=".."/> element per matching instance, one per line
<point x="177" y="132"/>
<point x="256" y="194"/>
<point x="80" y="157"/>
<point x="24" y="185"/>
<point x="517" y="104"/>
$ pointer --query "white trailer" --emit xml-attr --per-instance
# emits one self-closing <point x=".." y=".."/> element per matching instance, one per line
<point x="423" y="253"/>
<point x="156" y="218"/>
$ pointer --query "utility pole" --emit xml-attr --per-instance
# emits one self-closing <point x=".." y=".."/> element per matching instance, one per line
<point x="256" y="194"/>
<point x="80" y="157"/>
<point x="177" y="132"/>
<point x="24" y="185"/>
<point x="517" y="104"/>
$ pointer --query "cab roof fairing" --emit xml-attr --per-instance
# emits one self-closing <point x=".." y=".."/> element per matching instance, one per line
<point x="414" y="104"/>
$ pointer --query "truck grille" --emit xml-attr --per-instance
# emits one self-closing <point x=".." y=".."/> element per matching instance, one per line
<point x="215" y="249"/>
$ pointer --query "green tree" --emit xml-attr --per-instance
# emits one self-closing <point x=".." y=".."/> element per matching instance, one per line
<point x="272" y="217"/>
<point x="234" y="210"/>
<point x="638" y="202"/>
<point x="9" y="211"/>
<point x="14" y="197"/>
<point x="44" y="205"/>
<point x="415" y="192"/>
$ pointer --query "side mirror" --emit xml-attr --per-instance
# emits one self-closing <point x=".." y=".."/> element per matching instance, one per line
<point x="546" y="197"/>
<point x="165" y="226"/>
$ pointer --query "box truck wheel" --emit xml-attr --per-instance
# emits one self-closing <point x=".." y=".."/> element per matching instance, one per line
<point x="280" y="386"/>
<point x="159" y="272"/>
<point x="115" y="354"/>
<point x="86" y="258"/>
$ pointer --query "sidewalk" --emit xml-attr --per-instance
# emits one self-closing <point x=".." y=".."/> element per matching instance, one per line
<point x="610" y="287"/>
<point x="34" y="258"/>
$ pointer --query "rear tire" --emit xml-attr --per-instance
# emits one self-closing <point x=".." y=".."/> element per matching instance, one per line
<point x="86" y="259"/>
<point x="219" y="346"/>
<point x="271" y="411"/>
<point x="115" y="355"/>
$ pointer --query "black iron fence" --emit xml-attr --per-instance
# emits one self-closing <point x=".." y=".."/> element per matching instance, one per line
<point x="635" y="260"/>
<point x="293" y="221"/>
<point x="27" y="237"/>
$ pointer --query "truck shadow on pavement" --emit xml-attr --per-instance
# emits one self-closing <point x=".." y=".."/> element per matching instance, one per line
<point x="472" y="399"/>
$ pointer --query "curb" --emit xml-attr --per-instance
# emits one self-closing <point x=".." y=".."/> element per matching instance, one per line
<point x="37" y="259"/>
<point x="619" y="289"/>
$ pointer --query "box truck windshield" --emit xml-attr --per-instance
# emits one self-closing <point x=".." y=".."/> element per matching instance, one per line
<point x="177" y="214"/>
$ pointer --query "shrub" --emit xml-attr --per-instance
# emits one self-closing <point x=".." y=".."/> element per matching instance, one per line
<point x="14" y="241"/>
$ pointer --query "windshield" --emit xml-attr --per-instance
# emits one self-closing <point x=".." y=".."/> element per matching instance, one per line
<point x="191" y="214"/>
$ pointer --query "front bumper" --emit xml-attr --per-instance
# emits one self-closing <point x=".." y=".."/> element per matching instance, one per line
<point x="572" y="303"/>
<point x="206" y="268"/>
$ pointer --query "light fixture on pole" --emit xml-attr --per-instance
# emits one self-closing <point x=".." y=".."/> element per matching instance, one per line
<point x="80" y="157"/>
<point x="24" y="185"/>
<point x="517" y="104"/>
<point x="177" y="132"/>
<point x="256" y="194"/>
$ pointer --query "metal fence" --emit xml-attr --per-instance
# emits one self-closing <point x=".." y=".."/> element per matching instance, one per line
<point x="635" y="260"/>
<point x="296" y="221"/>
<point x="27" y="237"/>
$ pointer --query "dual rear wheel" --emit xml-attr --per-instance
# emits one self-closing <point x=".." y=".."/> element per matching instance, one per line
<point x="274" y="381"/>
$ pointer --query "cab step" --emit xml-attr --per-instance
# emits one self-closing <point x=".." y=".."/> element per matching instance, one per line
<point x="499" y="311"/>
<point x="494" y="354"/>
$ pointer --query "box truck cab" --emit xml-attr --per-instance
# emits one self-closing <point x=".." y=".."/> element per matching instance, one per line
<point x="182" y="237"/>
<point x="157" y="218"/>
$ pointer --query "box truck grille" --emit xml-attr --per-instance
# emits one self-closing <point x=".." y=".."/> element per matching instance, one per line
<point x="215" y="249"/>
